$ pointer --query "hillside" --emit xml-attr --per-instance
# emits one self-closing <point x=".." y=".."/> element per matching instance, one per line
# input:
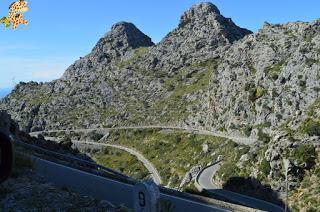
<point x="207" y="73"/>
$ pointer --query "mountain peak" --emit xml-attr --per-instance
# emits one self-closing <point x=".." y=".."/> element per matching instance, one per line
<point x="204" y="8"/>
<point x="123" y="37"/>
<point x="123" y="25"/>
<point x="199" y="12"/>
<point x="127" y="35"/>
<point x="125" y="28"/>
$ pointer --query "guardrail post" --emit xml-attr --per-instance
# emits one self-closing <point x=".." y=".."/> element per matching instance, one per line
<point x="146" y="196"/>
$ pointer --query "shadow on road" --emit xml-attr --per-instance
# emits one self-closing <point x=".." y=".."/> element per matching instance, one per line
<point x="254" y="188"/>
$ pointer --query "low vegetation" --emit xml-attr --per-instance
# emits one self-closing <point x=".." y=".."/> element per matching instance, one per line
<point x="255" y="93"/>
<point x="229" y="167"/>
<point x="136" y="55"/>
<point x="310" y="61"/>
<point x="34" y="98"/>
<point x="310" y="127"/>
<point x="121" y="161"/>
<point x="274" y="70"/>
<point x="247" y="130"/>
<point x="174" y="153"/>
<point x="179" y="85"/>
<point x="263" y="136"/>
<point x="252" y="69"/>
<point x="306" y="196"/>
<point x="304" y="154"/>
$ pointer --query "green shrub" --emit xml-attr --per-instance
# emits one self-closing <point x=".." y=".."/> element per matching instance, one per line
<point x="274" y="70"/>
<point x="170" y="87"/>
<point x="289" y="32"/>
<point x="259" y="92"/>
<point x="252" y="69"/>
<point x="95" y="136"/>
<point x="243" y="150"/>
<point x="227" y="170"/>
<point x="122" y="161"/>
<point x="310" y="61"/>
<point x="247" y="130"/>
<point x="317" y="172"/>
<point x="256" y="93"/>
<point x="308" y="38"/>
<point x="265" y="167"/>
<point x="248" y="85"/>
<point x="252" y="94"/>
<point x="263" y="136"/>
<point x="303" y="50"/>
<point x="304" y="153"/>
<point x="316" y="89"/>
<point x="302" y="83"/>
<point x="315" y="106"/>
<point x="311" y="127"/>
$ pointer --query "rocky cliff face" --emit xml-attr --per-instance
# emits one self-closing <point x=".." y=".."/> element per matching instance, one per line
<point x="267" y="77"/>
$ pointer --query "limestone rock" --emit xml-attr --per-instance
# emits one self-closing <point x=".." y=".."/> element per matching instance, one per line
<point x="205" y="148"/>
<point x="190" y="175"/>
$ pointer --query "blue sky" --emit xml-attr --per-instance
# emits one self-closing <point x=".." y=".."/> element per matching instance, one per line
<point x="60" y="32"/>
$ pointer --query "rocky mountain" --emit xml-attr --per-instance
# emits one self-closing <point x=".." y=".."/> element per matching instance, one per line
<point x="126" y="79"/>
<point x="208" y="72"/>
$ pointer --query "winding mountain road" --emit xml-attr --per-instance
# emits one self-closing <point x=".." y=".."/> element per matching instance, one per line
<point x="205" y="180"/>
<point x="152" y="170"/>
<point x="237" y="139"/>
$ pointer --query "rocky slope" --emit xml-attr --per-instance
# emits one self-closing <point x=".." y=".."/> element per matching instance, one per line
<point x="207" y="72"/>
<point x="273" y="94"/>
<point x="272" y="75"/>
<point x="28" y="192"/>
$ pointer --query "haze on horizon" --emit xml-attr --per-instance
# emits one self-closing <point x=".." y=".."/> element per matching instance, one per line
<point x="58" y="34"/>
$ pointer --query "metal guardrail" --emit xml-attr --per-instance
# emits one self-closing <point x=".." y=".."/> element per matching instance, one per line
<point x="78" y="161"/>
<point x="114" y="191"/>
<point x="119" y="193"/>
